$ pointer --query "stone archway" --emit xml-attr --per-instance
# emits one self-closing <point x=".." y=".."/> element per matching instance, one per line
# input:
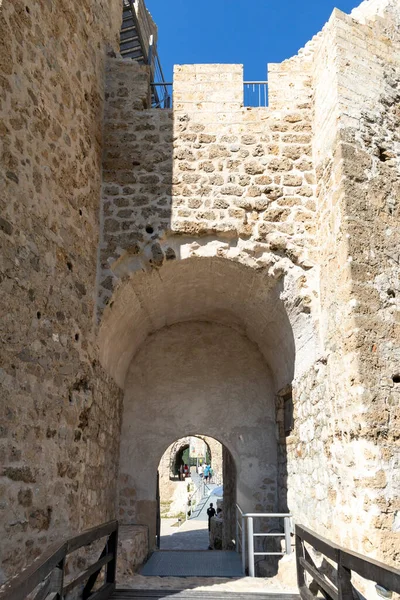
<point x="172" y="494"/>
<point x="214" y="332"/>
<point x="171" y="458"/>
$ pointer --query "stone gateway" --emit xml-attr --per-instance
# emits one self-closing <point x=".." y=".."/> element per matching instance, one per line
<point x="209" y="268"/>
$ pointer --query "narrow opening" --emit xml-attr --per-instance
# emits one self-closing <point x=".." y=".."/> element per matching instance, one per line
<point x="396" y="378"/>
<point x="255" y="94"/>
<point x="76" y="337"/>
<point x="288" y="413"/>
<point x="149" y="229"/>
<point x="69" y="265"/>
<point x="38" y="314"/>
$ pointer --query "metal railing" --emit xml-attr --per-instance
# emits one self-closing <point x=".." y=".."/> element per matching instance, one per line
<point x="245" y="536"/>
<point x="143" y="30"/>
<point x="255" y="93"/>
<point x="198" y="497"/>
<point x="162" y="94"/>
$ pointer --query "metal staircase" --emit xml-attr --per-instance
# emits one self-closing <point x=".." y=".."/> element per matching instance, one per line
<point x="131" y="44"/>
<point x="138" y="41"/>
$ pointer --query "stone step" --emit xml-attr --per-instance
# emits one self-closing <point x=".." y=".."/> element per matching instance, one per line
<point x="198" y="595"/>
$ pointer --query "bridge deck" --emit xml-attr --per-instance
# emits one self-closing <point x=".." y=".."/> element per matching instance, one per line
<point x="198" y="563"/>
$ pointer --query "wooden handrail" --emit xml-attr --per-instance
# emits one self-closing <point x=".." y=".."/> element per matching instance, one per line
<point x="347" y="561"/>
<point x="19" y="586"/>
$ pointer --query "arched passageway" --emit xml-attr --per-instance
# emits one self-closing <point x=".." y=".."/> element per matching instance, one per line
<point x="197" y="448"/>
<point x="203" y="344"/>
<point x="183" y="503"/>
<point x="182" y="451"/>
<point x="209" y="376"/>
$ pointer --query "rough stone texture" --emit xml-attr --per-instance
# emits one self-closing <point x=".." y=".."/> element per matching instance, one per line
<point x="229" y="501"/>
<point x="59" y="411"/>
<point x="205" y="169"/>
<point x="216" y="533"/>
<point x="346" y="438"/>
<point x="133" y="549"/>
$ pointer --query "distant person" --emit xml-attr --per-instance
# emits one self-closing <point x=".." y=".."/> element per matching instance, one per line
<point x="210" y="474"/>
<point x="211" y="513"/>
<point x="200" y="471"/>
<point x="206" y="472"/>
<point x="186" y="471"/>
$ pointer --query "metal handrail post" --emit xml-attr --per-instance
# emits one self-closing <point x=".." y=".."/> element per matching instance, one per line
<point x="237" y="530"/>
<point x="243" y="546"/>
<point x="250" y="546"/>
<point x="288" y="543"/>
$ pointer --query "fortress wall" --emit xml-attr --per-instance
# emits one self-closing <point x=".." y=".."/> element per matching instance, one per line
<point x="347" y="441"/>
<point x="210" y="170"/>
<point x="369" y="77"/>
<point x="238" y="171"/>
<point x="321" y="396"/>
<point x="59" y="411"/>
<point x="305" y="191"/>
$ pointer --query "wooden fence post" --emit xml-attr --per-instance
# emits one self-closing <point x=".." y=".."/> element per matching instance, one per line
<point x="60" y="582"/>
<point x="345" y="588"/>
<point x="301" y="580"/>
<point x="112" y="548"/>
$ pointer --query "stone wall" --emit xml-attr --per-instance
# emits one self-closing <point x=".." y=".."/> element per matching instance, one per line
<point x="133" y="549"/>
<point x="207" y="179"/>
<point x="347" y="411"/>
<point x="59" y="411"/>
<point x="206" y="169"/>
<point x="136" y="168"/>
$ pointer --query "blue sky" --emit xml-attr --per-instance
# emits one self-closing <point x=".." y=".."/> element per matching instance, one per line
<point x="252" y="32"/>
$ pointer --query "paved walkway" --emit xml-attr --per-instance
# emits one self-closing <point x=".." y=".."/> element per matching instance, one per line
<point x="184" y="550"/>
<point x="192" y="534"/>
